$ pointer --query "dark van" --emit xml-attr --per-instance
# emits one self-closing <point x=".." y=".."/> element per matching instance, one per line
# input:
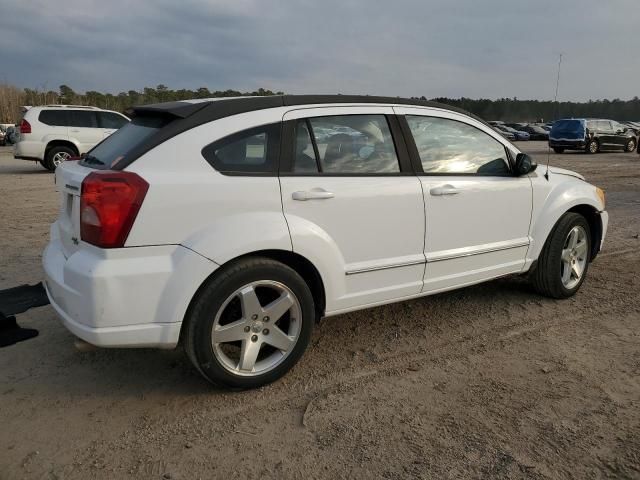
<point x="591" y="135"/>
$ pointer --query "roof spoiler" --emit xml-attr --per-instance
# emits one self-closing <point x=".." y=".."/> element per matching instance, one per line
<point x="172" y="109"/>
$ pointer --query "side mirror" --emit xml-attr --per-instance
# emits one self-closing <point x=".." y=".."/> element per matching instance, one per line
<point x="524" y="164"/>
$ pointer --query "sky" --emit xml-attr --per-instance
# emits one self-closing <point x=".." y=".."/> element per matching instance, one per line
<point x="454" y="48"/>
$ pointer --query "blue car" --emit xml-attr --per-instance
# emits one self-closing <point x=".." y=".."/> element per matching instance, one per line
<point x="591" y="135"/>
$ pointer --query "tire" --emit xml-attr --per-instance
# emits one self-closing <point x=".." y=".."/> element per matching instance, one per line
<point x="593" y="146"/>
<point x="56" y="155"/>
<point x="218" y="304"/>
<point x="548" y="277"/>
<point x="631" y="145"/>
<point x="43" y="163"/>
<point x="558" y="149"/>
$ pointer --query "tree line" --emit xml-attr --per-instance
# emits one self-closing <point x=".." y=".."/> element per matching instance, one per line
<point x="506" y="109"/>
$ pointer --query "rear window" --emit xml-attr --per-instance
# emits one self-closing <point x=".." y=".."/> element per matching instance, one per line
<point x="568" y="126"/>
<point x="114" y="148"/>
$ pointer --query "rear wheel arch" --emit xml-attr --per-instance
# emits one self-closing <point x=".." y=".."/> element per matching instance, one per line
<point x="60" y="143"/>
<point x="297" y="262"/>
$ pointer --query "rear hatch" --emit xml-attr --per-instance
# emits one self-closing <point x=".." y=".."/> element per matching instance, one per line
<point x="571" y="130"/>
<point x="104" y="156"/>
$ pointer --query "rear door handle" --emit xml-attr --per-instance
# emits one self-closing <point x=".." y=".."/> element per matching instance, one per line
<point x="444" y="190"/>
<point x="313" y="194"/>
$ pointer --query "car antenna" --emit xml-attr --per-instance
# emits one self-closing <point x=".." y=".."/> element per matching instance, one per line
<point x="555" y="100"/>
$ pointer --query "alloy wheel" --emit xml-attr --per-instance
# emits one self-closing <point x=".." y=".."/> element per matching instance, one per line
<point x="256" y="328"/>
<point x="60" y="157"/>
<point x="574" y="257"/>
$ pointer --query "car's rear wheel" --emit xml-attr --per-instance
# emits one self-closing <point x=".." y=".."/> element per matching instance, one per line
<point x="56" y="155"/>
<point x="250" y="323"/>
<point x="563" y="263"/>
<point x="593" y="146"/>
<point x="631" y="145"/>
<point x="558" y="149"/>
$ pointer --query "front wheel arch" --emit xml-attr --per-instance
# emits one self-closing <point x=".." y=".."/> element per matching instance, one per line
<point x="595" y="227"/>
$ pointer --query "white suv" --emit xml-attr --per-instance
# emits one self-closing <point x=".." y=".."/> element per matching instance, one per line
<point x="233" y="225"/>
<point x="53" y="133"/>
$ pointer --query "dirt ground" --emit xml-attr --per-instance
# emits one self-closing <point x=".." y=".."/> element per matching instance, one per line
<point x="491" y="381"/>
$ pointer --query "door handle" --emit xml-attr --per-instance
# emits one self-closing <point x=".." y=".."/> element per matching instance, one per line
<point x="444" y="190"/>
<point x="75" y="131"/>
<point x="313" y="194"/>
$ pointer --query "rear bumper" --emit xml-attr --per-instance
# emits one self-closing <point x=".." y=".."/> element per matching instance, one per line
<point x="129" y="297"/>
<point x="26" y="150"/>
<point x="568" y="144"/>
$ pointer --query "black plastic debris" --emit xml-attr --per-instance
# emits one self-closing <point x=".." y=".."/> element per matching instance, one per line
<point x="18" y="300"/>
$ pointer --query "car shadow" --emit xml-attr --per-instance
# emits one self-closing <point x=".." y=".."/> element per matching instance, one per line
<point x="140" y="373"/>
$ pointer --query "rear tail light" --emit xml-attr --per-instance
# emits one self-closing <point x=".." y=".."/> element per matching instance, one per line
<point x="109" y="204"/>
<point x="25" y="127"/>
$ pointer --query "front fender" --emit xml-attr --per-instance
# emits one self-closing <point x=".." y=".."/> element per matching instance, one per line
<point x="551" y="201"/>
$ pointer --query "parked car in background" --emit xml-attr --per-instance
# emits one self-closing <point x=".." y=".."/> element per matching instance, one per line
<point x="3" y="135"/>
<point x="536" y="132"/>
<point x="635" y="126"/>
<point x="505" y="133"/>
<point x="11" y="135"/>
<point x="53" y="133"/>
<point x="518" y="134"/>
<point x="229" y="226"/>
<point x="591" y="135"/>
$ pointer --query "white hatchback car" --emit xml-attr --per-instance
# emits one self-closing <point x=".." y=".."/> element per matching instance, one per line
<point x="232" y="226"/>
<point x="51" y="134"/>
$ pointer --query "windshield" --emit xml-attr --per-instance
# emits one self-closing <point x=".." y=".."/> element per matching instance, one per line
<point x="110" y="151"/>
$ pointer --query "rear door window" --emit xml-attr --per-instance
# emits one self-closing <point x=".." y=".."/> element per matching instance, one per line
<point x="83" y="119"/>
<point x="345" y="145"/>
<point x="54" y="118"/>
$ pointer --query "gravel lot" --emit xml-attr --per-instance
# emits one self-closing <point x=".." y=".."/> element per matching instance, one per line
<point x="491" y="381"/>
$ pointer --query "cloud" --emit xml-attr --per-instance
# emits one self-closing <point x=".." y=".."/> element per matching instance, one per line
<point x="466" y="48"/>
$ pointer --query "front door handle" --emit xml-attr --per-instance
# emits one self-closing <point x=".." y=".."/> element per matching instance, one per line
<point x="313" y="194"/>
<point x="444" y="190"/>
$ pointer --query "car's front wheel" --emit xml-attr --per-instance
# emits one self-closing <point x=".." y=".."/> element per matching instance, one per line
<point x="593" y="146"/>
<point x="250" y="323"/>
<point x="631" y="145"/>
<point x="563" y="263"/>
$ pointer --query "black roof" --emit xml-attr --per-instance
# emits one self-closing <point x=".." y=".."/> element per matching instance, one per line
<point x="186" y="115"/>
<point x="210" y="110"/>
